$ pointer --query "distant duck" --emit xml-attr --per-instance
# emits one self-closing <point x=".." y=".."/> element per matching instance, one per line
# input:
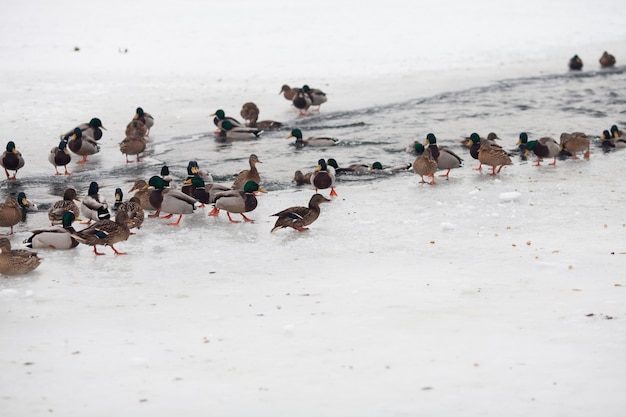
<point x="229" y="132"/>
<point x="55" y="237"/>
<point x="133" y="145"/>
<point x="360" y="169"/>
<point x="288" y="92"/>
<point x="92" y="129"/>
<point x="170" y="201"/>
<point x="145" y="118"/>
<point x="11" y="159"/>
<point x="59" y="208"/>
<point x="314" y="141"/>
<point x="13" y="210"/>
<point x="82" y="145"/>
<point x="544" y="148"/>
<point x="493" y="155"/>
<point x="426" y="165"/>
<point x="607" y="60"/>
<point x="298" y="217"/>
<point x="136" y="129"/>
<point x="246" y="175"/>
<point x="236" y="201"/>
<point x="250" y="112"/>
<point x="615" y="132"/>
<point x="576" y="142"/>
<point x="302" y="101"/>
<point x="324" y="177"/>
<point x="142" y="192"/>
<point x="59" y="156"/>
<point x="446" y="158"/>
<point x="318" y="97"/>
<point x="220" y="118"/>
<point x="300" y="178"/>
<point x="16" y="261"/>
<point x="467" y="142"/>
<point x="132" y="206"/>
<point x="575" y="63"/>
<point x="94" y="206"/>
<point x="610" y="141"/>
<point x="106" y="232"/>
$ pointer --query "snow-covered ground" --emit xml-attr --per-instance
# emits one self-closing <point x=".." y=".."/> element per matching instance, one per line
<point x="480" y="296"/>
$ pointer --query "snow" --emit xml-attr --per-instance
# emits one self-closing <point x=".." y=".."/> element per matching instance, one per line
<point x="479" y="296"/>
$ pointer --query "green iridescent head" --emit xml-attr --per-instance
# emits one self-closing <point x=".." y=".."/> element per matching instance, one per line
<point x="250" y="187"/>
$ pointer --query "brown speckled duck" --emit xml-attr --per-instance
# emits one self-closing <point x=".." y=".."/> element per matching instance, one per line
<point x="250" y="113"/>
<point x="133" y="145"/>
<point x="426" y="165"/>
<point x="298" y="217"/>
<point x="493" y="155"/>
<point x="142" y="192"/>
<point x="246" y="175"/>
<point x="607" y="60"/>
<point x="13" y="210"/>
<point x="16" y="261"/>
<point x="576" y="142"/>
<point x="288" y="92"/>
<point x="106" y="233"/>
<point x="59" y="208"/>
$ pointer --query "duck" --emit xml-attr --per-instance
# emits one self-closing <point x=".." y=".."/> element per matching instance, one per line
<point x="170" y="201"/>
<point x="615" y="132"/>
<point x="55" y="237"/>
<point x="132" y="206"/>
<point x="246" y="175"/>
<point x="474" y="148"/>
<point x="302" y="101"/>
<point x="106" y="232"/>
<point x="324" y="177"/>
<point x="236" y="201"/>
<point x="11" y="159"/>
<point x="445" y="157"/>
<point x="59" y="156"/>
<point x="17" y="261"/>
<point x="136" y="129"/>
<point x="82" y="145"/>
<point x="59" y="208"/>
<point x="220" y="118"/>
<point x="426" y="165"/>
<point x="94" y="206"/>
<point x="299" y="217"/>
<point x="229" y="132"/>
<point x="576" y="142"/>
<point x="467" y="142"/>
<point x="313" y="141"/>
<point x="192" y="171"/>
<point x="300" y="178"/>
<point x="493" y="155"/>
<point x="357" y="168"/>
<point x="250" y="112"/>
<point x="92" y="129"/>
<point x="133" y="145"/>
<point x="13" y="210"/>
<point x="575" y="63"/>
<point x="610" y="141"/>
<point x="318" y="97"/>
<point x="545" y="147"/>
<point x="145" y="118"/>
<point x="167" y="177"/>
<point x="142" y="192"/>
<point x="288" y="92"/>
<point x="607" y="60"/>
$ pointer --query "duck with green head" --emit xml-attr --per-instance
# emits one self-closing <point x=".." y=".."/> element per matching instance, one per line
<point x="236" y="201"/>
<point x="230" y="132"/>
<point x="220" y="118"/>
<point x="11" y="159"/>
<point x="445" y="157"/>
<point x="59" y="156"/>
<point x="544" y="148"/>
<point x="145" y="118"/>
<point x="609" y="140"/>
<point x="302" y="101"/>
<point x="55" y="237"/>
<point x="313" y="141"/>
<point x="169" y="200"/>
<point x="82" y="145"/>
<point x="324" y="177"/>
<point x="94" y="206"/>
<point x="317" y="96"/>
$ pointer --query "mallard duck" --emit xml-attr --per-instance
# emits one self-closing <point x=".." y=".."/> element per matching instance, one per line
<point x="315" y="141"/>
<point x="250" y="113"/>
<point x="170" y="201"/>
<point x="167" y="178"/>
<point x="474" y="148"/>
<point x="230" y="132"/>
<point x="246" y="175"/>
<point x="288" y="92"/>
<point x="136" y="129"/>
<point x="467" y="142"/>
<point x="426" y="165"/>
<point x="576" y="142"/>
<point x="59" y="208"/>
<point x="446" y="158"/>
<point x="357" y="169"/>
<point x="132" y="206"/>
<point x="300" y="178"/>
<point x="192" y="171"/>
<point x="220" y="118"/>
<point x="16" y="261"/>
<point x="544" y="148"/>
<point x="142" y="192"/>
<point x="302" y="101"/>
<point x="133" y="145"/>
<point x="324" y="177"/>
<point x="318" y="97"/>
<point x="106" y="233"/>
<point x="55" y="237"/>
<point x="610" y="141"/>
<point x="94" y="206"/>
<point x="493" y="155"/>
<point x="575" y="63"/>
<point x="59" y="156"/>
<point x="145" y="118"/>
<point x="615" y="132"/>
<point x="298" y="217"/>
<point x="607" y="60"/>
<point x="13" y="210"/>
<point x="82" y="145"/>
<point x="11" y="159"/>
<point x="92" y="129"/>
<point x="236" y="201"/>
